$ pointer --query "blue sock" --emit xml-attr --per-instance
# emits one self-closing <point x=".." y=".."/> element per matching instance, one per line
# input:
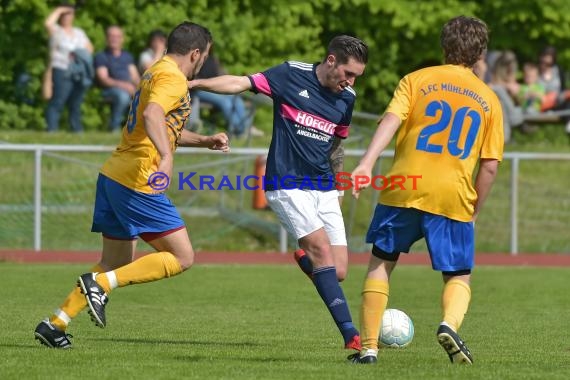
<point x="330" y="291"/>
<point x="306" y="264"/>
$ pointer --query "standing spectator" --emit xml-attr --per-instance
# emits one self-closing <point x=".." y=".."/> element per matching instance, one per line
<point x="117" y="74"/>
<point x="236" y="115"/>
<point x="67" y="44"/>
<point x="154" y="51"/>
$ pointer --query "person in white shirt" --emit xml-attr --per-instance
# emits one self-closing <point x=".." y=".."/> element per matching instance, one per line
<point x="155" y="50"/>
<point x="64" y="40"/>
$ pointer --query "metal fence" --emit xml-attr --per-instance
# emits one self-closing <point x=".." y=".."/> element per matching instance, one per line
<point x="528" y="209"/>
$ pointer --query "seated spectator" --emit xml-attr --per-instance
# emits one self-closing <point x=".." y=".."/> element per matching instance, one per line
<point x="118" y="76"/>
<point x="154" y="51"/>
<point x="550" y="74"/>
<point x="236" y="115"/>
<point x="480" y="68"/>
<point x="69" y="72"/>
<point x="552" y="78"/>
<point x="503" y="82"/>
<point x="490" y="59"/>
<point x="531" y="93"/>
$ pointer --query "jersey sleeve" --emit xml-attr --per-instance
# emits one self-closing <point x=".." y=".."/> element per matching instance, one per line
<point x="99" y="60"/>
<point x="270" y="82"/>
<point x="167" y="90"/>
<point x="400" y="104"/>
<point x="129" y="58"/>
<point x="493" y="141"/>
<point x="342" y="128"/>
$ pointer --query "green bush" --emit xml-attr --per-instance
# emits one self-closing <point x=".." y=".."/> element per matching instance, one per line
<point x="251" y="35"/>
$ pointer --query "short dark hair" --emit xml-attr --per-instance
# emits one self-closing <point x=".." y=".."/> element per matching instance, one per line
<point x="186" y="37"/>
<point x="530" y="66"/>
<point x="67" y="4"/>
<point x="549" y="50"/>
<point x="464" y="40"/>
<point x="345" y="47"/>
<point x="157" y="33"/>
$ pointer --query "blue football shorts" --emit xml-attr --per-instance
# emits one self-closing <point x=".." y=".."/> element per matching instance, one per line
<point x="450" y="242"/>
<point x="124" y="214"/>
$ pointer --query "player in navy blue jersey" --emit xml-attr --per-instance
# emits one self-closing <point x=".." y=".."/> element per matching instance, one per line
<point x="312" y="111"/>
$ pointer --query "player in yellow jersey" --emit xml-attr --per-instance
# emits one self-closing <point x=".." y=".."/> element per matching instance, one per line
<point x="448" y="121"/>
<point x="130" y="202"/>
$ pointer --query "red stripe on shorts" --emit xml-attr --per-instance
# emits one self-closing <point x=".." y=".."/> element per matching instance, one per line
<point x="150" y="236"/>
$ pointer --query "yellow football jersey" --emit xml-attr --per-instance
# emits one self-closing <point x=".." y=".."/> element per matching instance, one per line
<point x="136" y="157"/>
<point x="450" y="119"/>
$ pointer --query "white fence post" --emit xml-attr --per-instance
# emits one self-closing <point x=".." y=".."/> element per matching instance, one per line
<point x="38" y="199"/>
<point x="282" y="240"/>
<point x="514" y="205"/>
<point x="38" y="150"/>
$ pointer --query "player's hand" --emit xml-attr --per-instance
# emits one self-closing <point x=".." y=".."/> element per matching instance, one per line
<point x="191" y="84"/>
<point x="360" y="178"/>
<point x="130" y="88"/>
<point x="219" y="141"/>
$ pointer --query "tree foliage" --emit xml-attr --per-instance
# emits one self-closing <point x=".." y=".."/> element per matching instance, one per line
<point x="251" y="35"/>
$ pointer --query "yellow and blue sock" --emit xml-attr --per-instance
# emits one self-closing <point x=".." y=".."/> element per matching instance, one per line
<point x="71" y="306"/>
<point x="329" y="289"/>
<point x="151" y="267"/>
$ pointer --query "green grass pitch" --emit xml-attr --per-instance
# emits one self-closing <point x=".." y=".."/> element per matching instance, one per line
<point x="267" y="322"/>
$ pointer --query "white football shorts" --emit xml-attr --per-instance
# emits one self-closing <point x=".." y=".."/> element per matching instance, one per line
<point x="304" y="211"/>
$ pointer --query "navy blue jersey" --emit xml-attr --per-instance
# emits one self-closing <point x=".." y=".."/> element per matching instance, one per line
<point x="306" y="116"/>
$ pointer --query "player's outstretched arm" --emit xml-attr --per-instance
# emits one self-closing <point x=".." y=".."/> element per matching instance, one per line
<point x="485" y="177"/>
<point x="387" y="127"/>
<point x="219" y="141"/>
<point x="224" y="84"/>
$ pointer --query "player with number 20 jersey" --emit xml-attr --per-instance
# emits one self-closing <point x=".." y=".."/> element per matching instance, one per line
<point x="449" y="120"/>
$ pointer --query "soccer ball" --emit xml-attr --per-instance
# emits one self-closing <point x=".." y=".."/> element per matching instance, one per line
<point x="397" y="329"/>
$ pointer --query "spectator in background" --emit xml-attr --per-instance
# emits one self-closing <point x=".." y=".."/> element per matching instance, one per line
<point x="552" y="78"/>
<point x="118" y="76"/>
<point x="480" y="68"/>
<point x="70" y="60"/>
<point x="503" y="83"/>
<point x="531" y="93"/>
<point x="490" y="59"/>
<point x="154" y="51"/>
<point x="236" y="115"/>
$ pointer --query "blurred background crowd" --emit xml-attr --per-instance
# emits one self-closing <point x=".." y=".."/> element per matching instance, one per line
<point x="78" y="63"/>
